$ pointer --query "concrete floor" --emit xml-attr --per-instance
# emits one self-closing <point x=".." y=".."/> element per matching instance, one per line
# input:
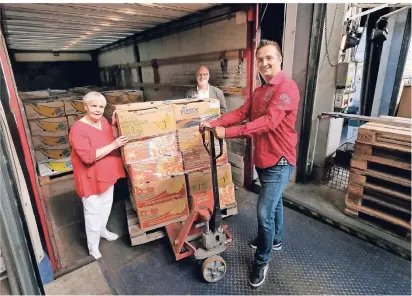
<point x="88" y="280"/>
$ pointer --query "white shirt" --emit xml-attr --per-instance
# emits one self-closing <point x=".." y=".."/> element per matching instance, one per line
<point x="203" y="94"/>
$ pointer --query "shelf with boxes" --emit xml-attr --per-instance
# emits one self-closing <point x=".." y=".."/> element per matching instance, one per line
<point x="167" y="163"/>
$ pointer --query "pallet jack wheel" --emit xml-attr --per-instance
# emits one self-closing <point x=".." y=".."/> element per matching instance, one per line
<point x="213" y="269"/>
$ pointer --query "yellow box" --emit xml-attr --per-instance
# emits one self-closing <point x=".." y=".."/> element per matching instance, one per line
<point x="52" y="154"/>
<point x="142" y="121"/>
<point x="44" y="109"/>
<point x="50" y="142"/>
<point x="74" y="106"/>
<point x="55" y="167"/>
<point x="201" y="182"/>
<point x="189" y="112"/>
<point x="123" y="96"/>
<point x="49" y="127"/>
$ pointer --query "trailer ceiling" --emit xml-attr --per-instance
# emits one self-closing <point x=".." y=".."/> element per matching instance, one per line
<point x="83" y="27"/>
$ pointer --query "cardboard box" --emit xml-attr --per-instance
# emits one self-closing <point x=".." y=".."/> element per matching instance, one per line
<point x="155" y="169"/>
<point x="30" y="95"/>
<point x="73" y="118"/>
<point x="199" y="159"/>
<point x="202" y="181"/>
<point x="151" y="148"/>
<point x="50" y="142"/>
<point x="161" y="191"/>
<point x="190" y="138"/>
<point x="226" y="197"/>
<point x="52" y="127"/>
<point x="189" y="112"/>
<point x="44" y="109"/>
<point x="123" y="96"/>
<point x="55" y="167"/>
<point x="74" y="106"/>
<point x="131" y="96"/>
<point x="47" y="154"/>
<point x="238" y="176"/>
<point x="164" y="213"/>
<point x="141" y="122"/>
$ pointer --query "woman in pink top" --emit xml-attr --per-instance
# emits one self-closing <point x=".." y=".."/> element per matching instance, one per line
<point x="97" y="166"/>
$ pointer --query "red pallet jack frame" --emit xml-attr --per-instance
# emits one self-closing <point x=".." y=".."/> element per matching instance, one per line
<point x="203" y="234"/>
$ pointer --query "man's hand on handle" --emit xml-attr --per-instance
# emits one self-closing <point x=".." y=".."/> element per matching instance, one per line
<point x="219" y="132"/>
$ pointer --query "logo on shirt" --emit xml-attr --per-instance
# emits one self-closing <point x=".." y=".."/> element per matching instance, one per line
<point x="284" y="99"/>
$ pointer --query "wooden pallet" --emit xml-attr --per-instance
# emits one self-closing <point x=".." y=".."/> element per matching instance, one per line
<point x="43" y="180"/>
<point x="383" y="135"/>
<point x="137" y="235"/>
<point x="231" y="210"/>
<point x="381" y="155"/>
<point x="380" y="195"/>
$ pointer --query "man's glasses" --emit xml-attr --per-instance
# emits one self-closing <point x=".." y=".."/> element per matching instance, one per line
<point x="202" y="74"/>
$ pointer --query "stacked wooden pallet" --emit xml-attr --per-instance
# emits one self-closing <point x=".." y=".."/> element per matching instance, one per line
<point x="380" y="175"/>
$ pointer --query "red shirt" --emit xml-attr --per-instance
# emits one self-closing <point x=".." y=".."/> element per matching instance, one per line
<point x="272" y="112"/>
<point x="93" y="177"/>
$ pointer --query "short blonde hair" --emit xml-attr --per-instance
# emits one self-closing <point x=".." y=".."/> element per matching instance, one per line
<point x="93" y="96"/>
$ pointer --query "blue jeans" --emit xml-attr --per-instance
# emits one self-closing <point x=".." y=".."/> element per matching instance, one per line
<point x="273" y="181"/>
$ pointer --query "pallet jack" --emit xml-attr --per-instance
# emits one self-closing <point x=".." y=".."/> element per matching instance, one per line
<point x="203" y="234"/>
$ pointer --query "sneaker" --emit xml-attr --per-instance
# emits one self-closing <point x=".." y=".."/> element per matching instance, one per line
<point x="110" y="236"/>
<point x="277" y="247"/>
<point x="96" y="254"/>
<point x="258" y="275"/>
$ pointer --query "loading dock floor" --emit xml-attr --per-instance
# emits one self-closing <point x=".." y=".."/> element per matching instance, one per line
<point x="315" y="259"/>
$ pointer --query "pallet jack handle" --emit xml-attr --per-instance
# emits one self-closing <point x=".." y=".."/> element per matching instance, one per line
<point x="216" y="219"/>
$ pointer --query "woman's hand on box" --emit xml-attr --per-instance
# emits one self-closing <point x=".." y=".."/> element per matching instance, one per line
<point x="120" y="141"/>
<point x="114" y="119"/>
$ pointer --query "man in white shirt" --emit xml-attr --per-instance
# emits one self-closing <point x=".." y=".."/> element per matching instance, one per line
<point x="204" y="90"/>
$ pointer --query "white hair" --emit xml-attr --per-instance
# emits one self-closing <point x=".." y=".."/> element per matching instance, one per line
<point x="93" y="96"/>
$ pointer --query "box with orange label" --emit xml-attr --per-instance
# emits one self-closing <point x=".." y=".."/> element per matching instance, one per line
<point x="142" y="122"/>
<point x="202" y="181"/>
<point x="138" y="151"/>
<point x="155" y="169"/>
<point x="53" y="127"/>
<point x="162" y="202"/>
<point x="152" y="193"/>
<point x="38" y="109"/>
<point x="226" y="197"/>
<point x="189" y="112"/>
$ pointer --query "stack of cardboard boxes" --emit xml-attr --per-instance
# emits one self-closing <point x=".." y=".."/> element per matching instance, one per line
<point x="166" y="161"/>
<point x="49" y="121"/>
<point x="154" y="163"/>
<point x="50" y="118"/>
<point x="120" y="97"/>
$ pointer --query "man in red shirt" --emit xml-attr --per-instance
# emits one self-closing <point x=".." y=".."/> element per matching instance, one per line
<point x="271" y="111"/>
